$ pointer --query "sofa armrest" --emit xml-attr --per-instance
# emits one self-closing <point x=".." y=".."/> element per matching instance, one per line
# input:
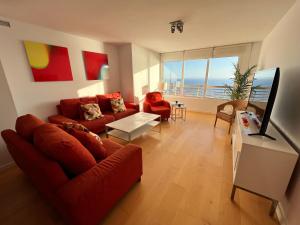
<point x="89" y="196"/>
<point x="59" y="119"/>
<point x="131" y="105"/>
<point x="147" y="107"/>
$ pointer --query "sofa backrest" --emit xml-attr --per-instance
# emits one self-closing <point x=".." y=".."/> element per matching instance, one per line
<point x="152" y="97"/>
<point x="71" y="107"/>
<point x="47" y="175"/>
<point x="104" y="101"/>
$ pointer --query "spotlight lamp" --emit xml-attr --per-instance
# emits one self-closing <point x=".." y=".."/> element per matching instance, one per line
<point x="178" y="24"/>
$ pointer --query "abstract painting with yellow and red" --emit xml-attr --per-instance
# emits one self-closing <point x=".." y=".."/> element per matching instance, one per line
<point x="48" y="62"/>
<point x="96" y="65"/>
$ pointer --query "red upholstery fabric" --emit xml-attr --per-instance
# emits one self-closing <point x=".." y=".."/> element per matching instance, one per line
<point x="131" y="105"/>
<point x="70" y="108"/>
<point x="88" y="197"/>
<point x="99" y="188"/>
<point x="111" y="147"/>
<point x="154" y="103"/>
<point x="121" y="115"/>
<point x="69" y="111"/>
<point x="104" y="101"/>
<point x="46" y="175"/>
<point x="63" y="148"/>
<point x="59" y="119"/>
<point x="95" y="147"/>
<point x="26" y="124"/>
<point x="98" y="125"/>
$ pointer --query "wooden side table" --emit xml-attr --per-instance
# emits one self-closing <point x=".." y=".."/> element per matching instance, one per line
<point x="178" y="111"/>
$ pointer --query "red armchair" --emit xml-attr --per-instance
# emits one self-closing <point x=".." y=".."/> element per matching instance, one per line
<point x="86" y="198"/>
<point x="154" y="103"/>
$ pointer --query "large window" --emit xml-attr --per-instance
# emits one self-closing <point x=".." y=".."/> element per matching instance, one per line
<point x="194" y="77"/>
<point x="173" y="77"/>
<point x="220" y="72"/>
<point x="195" y="80"/>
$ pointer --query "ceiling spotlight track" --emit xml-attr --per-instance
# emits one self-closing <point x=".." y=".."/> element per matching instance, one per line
<point x="178" y="24"/>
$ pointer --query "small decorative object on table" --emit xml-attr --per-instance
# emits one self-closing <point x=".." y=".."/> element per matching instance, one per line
<point x="178" y="111"/>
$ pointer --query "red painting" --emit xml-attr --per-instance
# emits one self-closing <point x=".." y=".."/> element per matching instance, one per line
<point x="48" y="62"/>
<point x="96" y="65"/>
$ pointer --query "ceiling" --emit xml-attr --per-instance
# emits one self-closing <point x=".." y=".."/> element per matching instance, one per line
<point x="146" y="22"/>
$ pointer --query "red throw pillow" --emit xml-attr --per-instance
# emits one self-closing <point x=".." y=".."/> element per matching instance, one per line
<point x="63" y="148"/>
<point x="26" y="124"/>
<point x="91" y="142"/>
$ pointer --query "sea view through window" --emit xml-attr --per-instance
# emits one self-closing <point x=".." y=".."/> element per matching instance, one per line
<point x="199" y="77"/>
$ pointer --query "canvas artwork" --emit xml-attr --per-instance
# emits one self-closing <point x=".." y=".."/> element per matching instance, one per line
<point x="96" y="65"/>
<point x="48" y="62"/>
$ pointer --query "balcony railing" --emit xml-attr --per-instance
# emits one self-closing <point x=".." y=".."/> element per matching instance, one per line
<point x="196" y="91"/>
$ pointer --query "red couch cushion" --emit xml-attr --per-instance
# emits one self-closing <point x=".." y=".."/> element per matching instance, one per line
<point x="111" y="147"/>
<point x="104" y="101"/>
<point x="26" y="124"/>
<point x="97" y="125"/>
<point x="121" y="115"/>
<point x="70" y="108"/>
<point x="95" y="147"/>
<point x="63" y="148"/>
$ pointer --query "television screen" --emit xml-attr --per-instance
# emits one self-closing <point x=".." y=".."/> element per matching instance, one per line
<point x="262" y="96"/>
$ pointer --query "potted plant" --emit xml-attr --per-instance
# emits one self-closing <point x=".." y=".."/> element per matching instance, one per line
<point x="241" y="83"/>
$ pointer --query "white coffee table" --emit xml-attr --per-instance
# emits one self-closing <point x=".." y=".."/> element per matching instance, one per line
<point x="133" y="126"/>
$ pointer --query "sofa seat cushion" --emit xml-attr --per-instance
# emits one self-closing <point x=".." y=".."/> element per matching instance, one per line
<point x="63" y="148"/>
<point x="25" y="126"/>
<point x="111" y="146"/>
<point x="97" y="125"/>
<point x="93" y="144"/>
<point x="70" y="108"/>
<point x="124" y="114"/>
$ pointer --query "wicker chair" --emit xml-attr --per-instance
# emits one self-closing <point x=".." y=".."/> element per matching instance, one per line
<point x="229" y="117"/>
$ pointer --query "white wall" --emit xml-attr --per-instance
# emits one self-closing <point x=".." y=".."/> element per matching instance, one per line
<point x="139" y="71"/>
<point x="40" y="98"/>
<point x="281" y="48"/>
<point x="7" y="118"/>
<point x="126" y="78"/>
<point x="146" y="71"/>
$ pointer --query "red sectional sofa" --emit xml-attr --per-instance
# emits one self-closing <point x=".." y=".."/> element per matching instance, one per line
<point x="68" y="111"/>
<point x="86" y="198"/>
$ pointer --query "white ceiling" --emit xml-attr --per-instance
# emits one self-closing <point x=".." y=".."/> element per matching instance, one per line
<point x="145" y="22"/>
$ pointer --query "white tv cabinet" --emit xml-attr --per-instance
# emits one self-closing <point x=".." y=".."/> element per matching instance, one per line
<point x="260" y="165"/>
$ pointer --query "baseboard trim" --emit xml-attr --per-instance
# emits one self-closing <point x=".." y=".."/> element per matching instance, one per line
<point x="7" y="165"/>
<point x="281" y="215"/>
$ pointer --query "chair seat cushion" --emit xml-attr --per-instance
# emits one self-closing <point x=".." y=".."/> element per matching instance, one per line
<point x="224" y="116"/>
<point x="160" y="109"/>
<point x="98" y="125"/>
<point x="63" y="148"/>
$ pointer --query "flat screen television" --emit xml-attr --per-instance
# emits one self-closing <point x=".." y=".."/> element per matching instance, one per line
<point x="262" y="96"/>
